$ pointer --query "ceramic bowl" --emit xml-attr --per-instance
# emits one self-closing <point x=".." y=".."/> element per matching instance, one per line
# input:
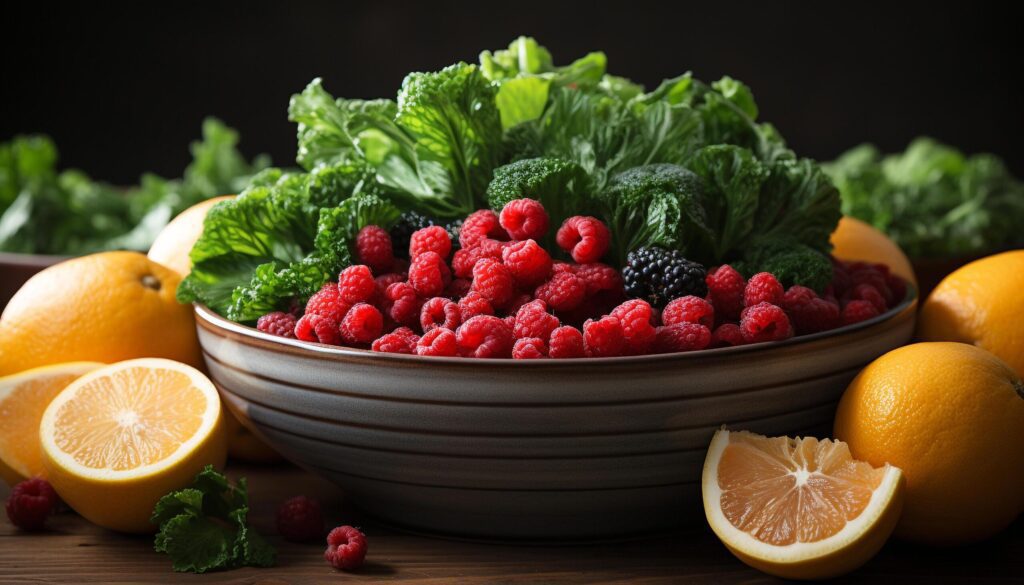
<point x="15" y="269"/>
<point x="546" y="449"/>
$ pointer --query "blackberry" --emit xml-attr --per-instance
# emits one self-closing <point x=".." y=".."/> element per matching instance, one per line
<point x="657" y="276"/>
<point x="407" y="223"/>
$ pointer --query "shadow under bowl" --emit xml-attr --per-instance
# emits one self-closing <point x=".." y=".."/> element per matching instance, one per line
<point x="540" y="449"/>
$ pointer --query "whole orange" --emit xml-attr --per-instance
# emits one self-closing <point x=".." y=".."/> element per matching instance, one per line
<point x="855" y="240"/>
<point x="981" y="304"/>
<point x="173" y="244"/>
<point x="104" y="307"/>
<point x="951" y="416"/>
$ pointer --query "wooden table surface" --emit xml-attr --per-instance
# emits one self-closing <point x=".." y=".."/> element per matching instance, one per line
<point x="74" y="551"/>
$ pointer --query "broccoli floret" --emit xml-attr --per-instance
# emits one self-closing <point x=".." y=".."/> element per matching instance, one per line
<point x="791" y="264"/>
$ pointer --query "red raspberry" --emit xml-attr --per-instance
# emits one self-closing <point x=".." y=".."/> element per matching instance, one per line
<point x="439" y="312"/>
<point x="598" y="277"/>
<point x="858" y="310"/>
<point x="585" y="238"/>
<point x="318" y="328"/>
<point x="382" y="283"/>
<point x="524" y="219"/>
<point x="682" y="337"/>
<point x="480" y="225"/>
<point x="430" y="239"/>
<point x="30" y="504"/>
<point x="727" y="335"/>
<point x="300" y="519"/>
<point x="493" y="280"/>
<point x="564" y="292"/>
<point x="517" y="303"/>
<point x="797" y="296"/>
<point x="404" y="304"/>
<point x="725" y="291"/>
<point x="689" y="309"/>
<point x="439" y="341"/>
<point x="533" y="320"/>
<point x="814" y="316"/>
<point x="841" y="281"/>
<point x="277" y="323"/>
<point x="328" y="303"/>
<point x="529" y="348"/>
<point x="866" y="292"/>
<point x="898" y="288"/>
<point x="566" y="342"/>
<point x="346" y="548"/>
<point x="356" y="284"/>
<point x="868" y="274"/>
<point x="559" y="266"/>
<point x="510" y="320"/>
<point x="635" y="318"/>
<point x="763" y="287"/>
<point x="474" y="304"/>
<point x="428" y="274"/>
<point x="485" y="336"/>
<point x="529" y="264"/>
<point x="362" y="324"/>
<point x="395" y="343"/>
<point x="373" y="248"/>
<point x="604" y="338"/>
<point x="465" y="259"/>
<point x="765" y="322"/>
<point x="458" y="288"/>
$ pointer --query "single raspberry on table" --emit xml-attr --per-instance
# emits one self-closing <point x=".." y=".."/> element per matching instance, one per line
<point x="395" y="343"/>
<point x="566" y="342"/>
<point x="346" y="548"/>
<point x="31" y="503"/>
<point x="585" y="238"/>
<point x="300" y="519"/>
<point x="564" y="292"/>
<point x="858" y="310"/>
<point x="635" y="317"/>
<point x="599" y="278"/>
<point x="765" y="322"/>
<point x="604" y="337"/>
<point x="277" y="323"/>
<point x="727" y="335"/>
<point x="373" y="248"/>
<point x="763" y="287"/>
<point x="485" y="336"/>
<point x="404" y="304"/>
<point x="318" y="328"/>
<point x="474" y="304"/>
<point x="362" y="324"/>
<point x="493" y="280"/>
<point x="356" y="284"/>
<point x="439" y="341"/>
<point x="440" y="312"/>
<point x="529" y="348"/>
<point x="480" y="225"/>
<point x="528" y="263"/>
<point x="533" y="320"/>
<point x="524" y="219"/>
<point x="682" y="337"/>
<point x="725" y="291"/>
<point x="428" y="274"/>
<point x="689" y="309"/>
<point x="327" y="302"/>
<point x="430" y="239"/>
<point x="815" y="315"/>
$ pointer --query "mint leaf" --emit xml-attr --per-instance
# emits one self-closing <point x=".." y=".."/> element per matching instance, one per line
<point x="204" y="527"/>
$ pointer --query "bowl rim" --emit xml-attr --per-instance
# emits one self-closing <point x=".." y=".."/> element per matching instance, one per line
<point x="207" y="318"/>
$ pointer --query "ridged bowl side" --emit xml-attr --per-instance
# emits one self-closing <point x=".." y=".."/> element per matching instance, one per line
<point x="541" y="449"/>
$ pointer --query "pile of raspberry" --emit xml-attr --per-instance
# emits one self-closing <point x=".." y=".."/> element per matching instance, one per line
<point x="501" y="294"/>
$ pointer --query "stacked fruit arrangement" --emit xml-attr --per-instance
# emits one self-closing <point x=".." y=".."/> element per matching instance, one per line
<point x="493" y="291"/>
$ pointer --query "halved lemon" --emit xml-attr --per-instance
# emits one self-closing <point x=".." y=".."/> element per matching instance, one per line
<point x="23" y="399"/>
<point x="798" y="508"/>
<point x="119" y="438"/>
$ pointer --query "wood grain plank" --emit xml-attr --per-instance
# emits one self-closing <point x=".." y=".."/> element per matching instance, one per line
<point x="74" y="551"/>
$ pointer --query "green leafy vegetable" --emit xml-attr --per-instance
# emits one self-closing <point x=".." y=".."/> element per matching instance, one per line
<point x="934" y="201"/>
<point x="46" y="212"/>
<point x="205" y="527"/>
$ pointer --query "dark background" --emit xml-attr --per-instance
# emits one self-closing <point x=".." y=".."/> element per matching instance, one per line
<point x="123" y="89"/>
